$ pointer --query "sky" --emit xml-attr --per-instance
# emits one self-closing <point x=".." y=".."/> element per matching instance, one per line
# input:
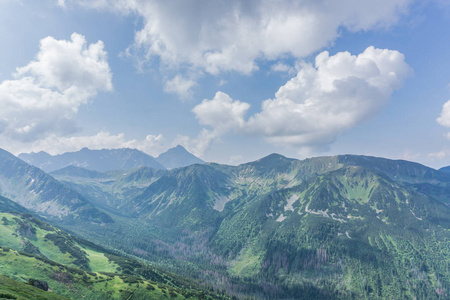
<point x="231" y="81"/>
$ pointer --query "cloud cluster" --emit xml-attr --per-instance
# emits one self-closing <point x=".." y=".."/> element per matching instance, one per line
<point x="221" y="113"/>
<point x="217" y="36"/>
<point x="319" y="103"/>
<point x="180" y="85"/>
<point x="199" y="144"/>
<point x="444" y="118"/>
<point x="46" y="94"/>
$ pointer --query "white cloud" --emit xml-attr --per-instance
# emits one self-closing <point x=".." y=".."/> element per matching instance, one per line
<point x="217" y="36"/>
<point x="61" y="3"/>
<point x="222" y="113"/>
<point x="444" y="119"/>
<point x="439" y="155"/>
<point x="62" y="64"/>
<point x="332" y="96"/>
<point x="322" y="101"/>
<point x="53" y="144"/>
<point x="46" y="94"/>
<point x="199" y="144"/>
<point x="281" y="67"/>
<point x="180" y="85"/>
<point x="408" y="155"/>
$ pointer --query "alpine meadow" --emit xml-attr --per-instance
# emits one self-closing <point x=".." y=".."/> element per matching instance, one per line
<point x="240" y="149"/>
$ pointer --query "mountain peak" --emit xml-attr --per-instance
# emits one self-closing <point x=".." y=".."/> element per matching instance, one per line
<point x="274" y="158"/>
<point x="178" y="157"/>
<point x="177" y="149"/>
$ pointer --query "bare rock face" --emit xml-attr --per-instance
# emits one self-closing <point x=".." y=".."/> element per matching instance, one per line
<point x="40" y="284"/>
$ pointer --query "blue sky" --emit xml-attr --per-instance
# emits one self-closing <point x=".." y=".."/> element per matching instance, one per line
<point x="231" y="81"/>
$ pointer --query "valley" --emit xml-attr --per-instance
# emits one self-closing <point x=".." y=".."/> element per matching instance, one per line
<point x="341" y="227"/>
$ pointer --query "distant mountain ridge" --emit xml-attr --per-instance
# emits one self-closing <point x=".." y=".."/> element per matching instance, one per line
<point x="178" y="157"/>
<point x="111" y="159"/>
<point x="336" y="227"/>
<point x="445" y="169"/>
<point x="37" y="191"/>
<point x="97" y="160"/>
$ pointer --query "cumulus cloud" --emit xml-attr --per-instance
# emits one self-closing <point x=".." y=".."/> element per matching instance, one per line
<point x="180" y="85"/>
<point x="332" y="96"/>
<point x="444" y="119"/>
<point x="199" y="144"/>
<point x="61" y="3"/>
<point x="322" y="101"/>
<point x="221" y="113"/>
<point x="281" y="67"/>
<point x="53" y="144"/>
<point x="217" y="36"/>
<point x="46" y="94"/>
<point x="439" y="155"/>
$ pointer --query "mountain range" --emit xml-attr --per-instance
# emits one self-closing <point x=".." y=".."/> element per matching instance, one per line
<point x="111" y="159"/>
<point x="339" y="227"/>
<point x="37" y="191"/>
<point x="280" y="226"/>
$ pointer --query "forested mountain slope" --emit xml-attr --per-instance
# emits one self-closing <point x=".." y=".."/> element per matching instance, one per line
<point x="74" y="268"/>
<point x="329" y="227"/>
<point x="37" y="191"/>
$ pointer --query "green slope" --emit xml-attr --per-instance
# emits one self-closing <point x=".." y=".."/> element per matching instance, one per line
<point x="12" y="289"/>
<point x="7" y="205"/>
<point x="25" y="232"/>
<point x="330" y="227"/>
<point x="41" y="193"/>
<point x="326" y="232"/>
<point x="108" y="190"/>
<point x="75" y="267"/>
<point x="74" y="283"/>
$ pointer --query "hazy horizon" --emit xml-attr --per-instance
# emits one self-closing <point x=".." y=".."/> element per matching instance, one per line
<point x="230" y="81"/>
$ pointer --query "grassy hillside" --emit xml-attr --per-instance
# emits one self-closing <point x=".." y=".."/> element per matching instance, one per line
<point x="349" y="233"/>
<point x="27" y="233"/>
<point x="74" y="283"/>
<point x="108" y="190"/>
<point x="75" y="267"/>
<point x="332" y="227"/>
<point x="12" y="289"/>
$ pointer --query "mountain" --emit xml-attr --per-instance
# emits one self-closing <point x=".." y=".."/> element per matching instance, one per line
<point x="108" y="190"/>
<point x="178" y="157"/>
<point x="97" y="160"/>
<point x="39" y="192"/>
<point x="7" y="205"/>
<point x="72" y="283"/>
<point x="340" y="227"/>
<point x="74" y="171"/>
<point x="445" y="169"/>
<point x="72" y="266"/>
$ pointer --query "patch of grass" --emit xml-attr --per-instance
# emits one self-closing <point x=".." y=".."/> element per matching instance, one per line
<point x="12" y="289"/>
